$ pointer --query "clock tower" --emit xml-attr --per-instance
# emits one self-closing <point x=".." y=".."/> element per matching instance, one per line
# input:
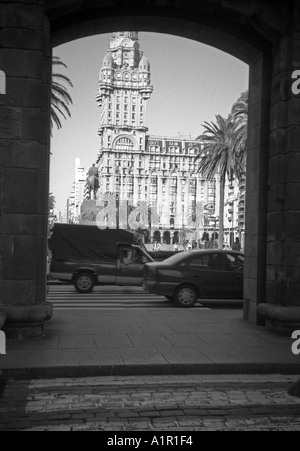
<point x="124" y="88"/>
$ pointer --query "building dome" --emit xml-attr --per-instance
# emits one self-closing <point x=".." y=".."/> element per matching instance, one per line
<point x="108" y="60"/>
<point x="144" y="64"/>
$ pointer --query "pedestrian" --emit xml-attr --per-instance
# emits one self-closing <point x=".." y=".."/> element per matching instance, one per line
<point x="176" y="247"/>
<point x="236" y="245"/>
<point x="155" y="246"/>
<point x="212" y="243"/>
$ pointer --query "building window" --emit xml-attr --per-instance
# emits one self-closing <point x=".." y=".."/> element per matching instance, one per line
<point x="124" y="144"/>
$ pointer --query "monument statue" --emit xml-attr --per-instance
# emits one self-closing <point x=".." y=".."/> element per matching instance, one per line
<point x="93" y="181"/>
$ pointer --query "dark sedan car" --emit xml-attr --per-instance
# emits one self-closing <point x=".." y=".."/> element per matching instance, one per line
<point x="189" y="276"/>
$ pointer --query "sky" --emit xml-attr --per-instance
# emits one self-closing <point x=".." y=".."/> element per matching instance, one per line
<point x="192" y="83"/>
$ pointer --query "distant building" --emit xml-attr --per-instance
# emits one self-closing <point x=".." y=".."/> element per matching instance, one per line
<point x="136" y="166"/>
<point x="139" y="167"/>
<point x="78" y="194"/>
<point x="80" y="189"/>
<point x="234" y="217"/>
<point x="70" y="209"/>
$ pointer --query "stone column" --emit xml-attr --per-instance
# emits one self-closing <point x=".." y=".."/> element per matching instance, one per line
<point x="25" y="57"/>
<point x="178" y="218"/>
<point x="282" y="307"/>
<point x="186" y="202"/>
<point x="159" y="193"/>
<point x="257" y="185"/>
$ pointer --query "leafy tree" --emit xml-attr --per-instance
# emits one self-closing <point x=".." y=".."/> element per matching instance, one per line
<point x="60" y="97"/>
<point x="220" y="155"/>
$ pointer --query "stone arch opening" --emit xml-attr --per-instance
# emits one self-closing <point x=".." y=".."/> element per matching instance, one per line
<point x="235" y="43"/>
<point x="167" y="237"/>
<point x="157" y="236"/>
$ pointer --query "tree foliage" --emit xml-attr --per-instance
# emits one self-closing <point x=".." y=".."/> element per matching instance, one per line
<point x="223" y="147"/>
<point x="60" y="97"/>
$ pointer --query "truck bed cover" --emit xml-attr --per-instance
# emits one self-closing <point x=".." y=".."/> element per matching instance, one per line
<point x="86" y="243"/>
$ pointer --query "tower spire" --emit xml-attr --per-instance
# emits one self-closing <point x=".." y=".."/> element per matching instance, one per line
<point x="124" y="88"/>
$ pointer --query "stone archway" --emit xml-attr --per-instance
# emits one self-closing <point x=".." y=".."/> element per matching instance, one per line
<point x="167" y="238"/>
<point x="157" y="236"/>
<point x="262" y="34"/>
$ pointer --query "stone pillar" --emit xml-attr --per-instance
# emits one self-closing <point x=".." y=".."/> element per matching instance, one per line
<point x="282" y="307"/>
<point x="178" y="217"/>
<point x="257" y="186"/>
<point x="25" y="57"/>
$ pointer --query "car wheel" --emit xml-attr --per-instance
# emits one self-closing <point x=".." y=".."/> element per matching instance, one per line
<point x="84" y="283"/>
<point x="186" y="296"/>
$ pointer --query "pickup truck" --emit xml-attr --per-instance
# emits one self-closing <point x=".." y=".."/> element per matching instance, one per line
<point x="87" y="256"/>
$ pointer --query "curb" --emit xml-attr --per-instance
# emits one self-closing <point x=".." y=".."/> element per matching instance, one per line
<point x="150" y="370"/>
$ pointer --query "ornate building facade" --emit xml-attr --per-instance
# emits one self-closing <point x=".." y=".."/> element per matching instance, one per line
<point x="138" y="167"/>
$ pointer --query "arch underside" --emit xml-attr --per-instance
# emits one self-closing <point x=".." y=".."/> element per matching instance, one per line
<point x="248" y="31"/>
<point x="239" y="29"/>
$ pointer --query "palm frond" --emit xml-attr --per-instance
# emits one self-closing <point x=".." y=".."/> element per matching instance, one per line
<point x="60" y="97"/>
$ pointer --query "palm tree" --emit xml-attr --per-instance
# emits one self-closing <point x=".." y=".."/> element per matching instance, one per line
<point x="220" y="155"/>
<point x="52" y="202"/>
<point x="240" y="108"/>
<point x="60" y="97"/>
<point x="239" y="113"/>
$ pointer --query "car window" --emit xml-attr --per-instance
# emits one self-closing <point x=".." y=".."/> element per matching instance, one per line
<point x="237" y="262"/>
<point x="139" y="257"/>
<point x="202" y="262"/>
<point x="222" y="262"/>
<point x="177" y="259"/>
<point x="127" y="255"/>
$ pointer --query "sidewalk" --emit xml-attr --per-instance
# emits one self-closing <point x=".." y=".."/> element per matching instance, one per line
<point x="148" y="342"/>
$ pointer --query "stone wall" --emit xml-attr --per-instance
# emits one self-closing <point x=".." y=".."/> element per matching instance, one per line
<point x="25" y="57"/>
<point x="282" y="310"/>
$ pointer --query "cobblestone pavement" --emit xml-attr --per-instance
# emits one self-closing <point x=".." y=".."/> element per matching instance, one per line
<point x="160" y="403"/>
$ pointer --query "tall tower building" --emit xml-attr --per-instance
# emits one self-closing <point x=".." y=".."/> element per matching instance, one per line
<point x="124" y="88"/>
<point x="137" y="167"/>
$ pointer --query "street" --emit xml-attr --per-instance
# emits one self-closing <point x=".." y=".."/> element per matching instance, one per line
<point x="156" y="403"/>
<point x="119" y="359"/>
<point x="65" y="297"/>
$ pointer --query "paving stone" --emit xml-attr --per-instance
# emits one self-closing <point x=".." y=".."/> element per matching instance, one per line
<point x="66" y="403"/>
